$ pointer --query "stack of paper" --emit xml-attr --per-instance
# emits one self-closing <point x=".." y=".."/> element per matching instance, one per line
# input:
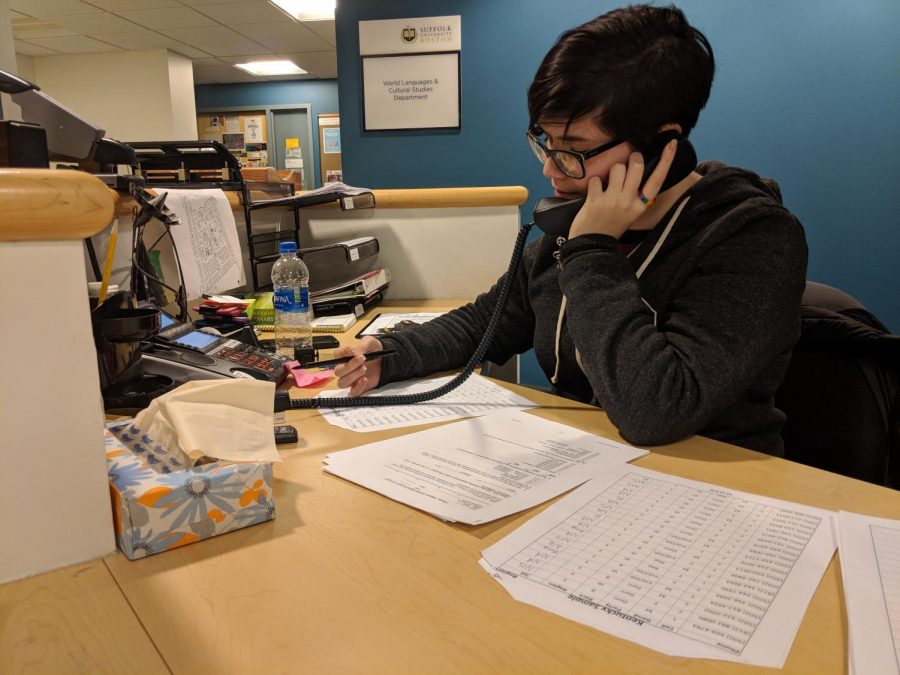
<point x="870" y="569"/>
<point x="481" y="469"/>
<point x="686" y="568"/>
<point x="476" y="396"/>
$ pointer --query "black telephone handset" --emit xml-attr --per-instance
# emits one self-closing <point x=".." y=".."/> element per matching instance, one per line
<point x="554" y="215"/>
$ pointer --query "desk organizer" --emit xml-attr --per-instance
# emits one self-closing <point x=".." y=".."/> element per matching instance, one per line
<point x="156" y="509"/>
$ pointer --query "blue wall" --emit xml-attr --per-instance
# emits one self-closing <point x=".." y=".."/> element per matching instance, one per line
<point x="321" y="95"/>
<point x="806" y="92"/>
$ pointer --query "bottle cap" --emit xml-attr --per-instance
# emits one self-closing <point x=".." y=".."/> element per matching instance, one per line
<point x="287" y="247"/>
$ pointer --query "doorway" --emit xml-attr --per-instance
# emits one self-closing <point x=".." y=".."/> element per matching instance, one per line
<point x="291" y="127"/>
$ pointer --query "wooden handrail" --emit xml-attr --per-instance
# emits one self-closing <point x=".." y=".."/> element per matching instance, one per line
<point x="433" y="198"/>
<point x="44" y="204"/>
<point x="421" y="198"/>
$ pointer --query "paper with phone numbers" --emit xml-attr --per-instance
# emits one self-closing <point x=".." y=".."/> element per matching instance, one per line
<point x="687" y="568"/>
<point x="476" y="396"/>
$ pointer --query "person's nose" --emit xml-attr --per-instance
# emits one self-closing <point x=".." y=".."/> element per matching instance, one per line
<point x="551" y="170"/>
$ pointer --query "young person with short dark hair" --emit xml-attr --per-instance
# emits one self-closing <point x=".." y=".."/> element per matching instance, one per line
<point x="675" y="309"/>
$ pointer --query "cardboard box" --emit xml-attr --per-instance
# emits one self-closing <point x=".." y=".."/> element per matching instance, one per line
<point x="156" y="509"/>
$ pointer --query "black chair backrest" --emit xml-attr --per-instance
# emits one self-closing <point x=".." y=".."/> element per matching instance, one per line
<point x="840" y="392"/>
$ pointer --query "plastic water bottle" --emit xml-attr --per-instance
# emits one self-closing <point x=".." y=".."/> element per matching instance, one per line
<point x="290" y="283"/>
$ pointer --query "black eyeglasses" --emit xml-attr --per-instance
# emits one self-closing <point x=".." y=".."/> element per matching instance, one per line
<point x="569" y="162"/>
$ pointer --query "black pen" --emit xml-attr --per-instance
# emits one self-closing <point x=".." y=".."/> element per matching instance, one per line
<point x="344" y="359"/>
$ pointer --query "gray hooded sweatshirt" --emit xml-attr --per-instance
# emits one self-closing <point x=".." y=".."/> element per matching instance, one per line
<point x="689" y="334"/>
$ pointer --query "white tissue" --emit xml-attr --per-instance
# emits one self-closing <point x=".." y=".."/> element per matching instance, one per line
<point x="227" y="419"/>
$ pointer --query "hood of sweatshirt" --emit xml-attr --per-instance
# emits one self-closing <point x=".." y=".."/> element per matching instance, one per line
<point x="699" y="217"/>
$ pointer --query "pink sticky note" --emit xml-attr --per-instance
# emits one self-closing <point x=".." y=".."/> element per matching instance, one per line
<point x="307" y="378"/>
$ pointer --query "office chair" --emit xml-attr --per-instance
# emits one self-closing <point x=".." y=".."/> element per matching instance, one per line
<point x="840" y="392"/>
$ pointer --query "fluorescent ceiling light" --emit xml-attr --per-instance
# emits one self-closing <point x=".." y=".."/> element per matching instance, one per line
<point x="307" y="10"/>
<point x="271" y="68"/>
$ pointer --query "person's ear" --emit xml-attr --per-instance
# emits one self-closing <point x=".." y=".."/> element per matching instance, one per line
<point x="670" y="125"/>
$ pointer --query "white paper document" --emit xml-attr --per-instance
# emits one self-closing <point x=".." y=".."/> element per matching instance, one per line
<point x="870" y="567"/>
<point x="207" y="241"/>
<point x="683" y="567"/>
<point x="481" y="469"/>
<point x="476" y="396"/>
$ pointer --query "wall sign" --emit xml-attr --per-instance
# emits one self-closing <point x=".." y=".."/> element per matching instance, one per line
<point x="411" y="92"/>
<point x="410" y="73"/>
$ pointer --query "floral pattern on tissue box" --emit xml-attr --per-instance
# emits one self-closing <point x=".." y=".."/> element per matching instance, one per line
<point x="155" y="511"/>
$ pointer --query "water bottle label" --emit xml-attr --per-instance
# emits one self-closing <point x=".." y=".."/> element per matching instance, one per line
<point x="303" y="300"/>
<point x="286" y="300"/>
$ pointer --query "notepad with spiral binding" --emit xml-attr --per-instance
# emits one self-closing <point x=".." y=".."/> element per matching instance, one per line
<point x="333" y="324"/>
<point x="322" y="324"/>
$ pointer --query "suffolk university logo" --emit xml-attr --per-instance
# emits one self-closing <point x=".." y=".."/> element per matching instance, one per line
<point x="409" y="34"/>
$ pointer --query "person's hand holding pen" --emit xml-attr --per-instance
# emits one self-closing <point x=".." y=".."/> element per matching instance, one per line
<point x="358" y="374"/>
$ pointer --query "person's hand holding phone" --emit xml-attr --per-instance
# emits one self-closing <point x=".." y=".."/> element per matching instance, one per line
<point x="615" y="209"/>
<point x="358" y="374"/>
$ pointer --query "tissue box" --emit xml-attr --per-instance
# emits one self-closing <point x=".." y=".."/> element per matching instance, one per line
<point x="154" y="511"/>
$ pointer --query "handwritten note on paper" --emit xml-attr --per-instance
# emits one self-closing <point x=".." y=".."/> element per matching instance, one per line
<point x="476" y="396"/>
<point x="870" y="566"/>
<point x="682" y="567"/>
<point x="481" y="469"/>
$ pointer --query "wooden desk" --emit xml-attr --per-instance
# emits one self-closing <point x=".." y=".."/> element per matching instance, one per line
<point x="345" y="580"/>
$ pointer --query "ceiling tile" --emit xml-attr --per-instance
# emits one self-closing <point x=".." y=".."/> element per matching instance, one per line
<point x="163" y="19"/>
<point x="75" y="44"/>
<point x="216" y="40"/>
<point x="223" y="73"/>
<point x="207" y="61"/>
<point x="187" y="50"/>
<point x="321" y="64"/>
<point x="272" y="29"/>
<point x="30" y="49"/>
<point x="323" y="29"/>
<point x="125" y="5"/>
<point x="27" y="29"/>
<point x="201" y="30"/>
<point x="52" y="7"/>
<point x="304" y="43"/>
<point x="202" y="3"/>
<point x="148" y="39"/>
<point x="255" y="11"/>
<point x="93" y="24"/>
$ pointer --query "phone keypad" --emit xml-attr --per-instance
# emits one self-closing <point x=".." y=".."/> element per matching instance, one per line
<point x="251" y="357"/>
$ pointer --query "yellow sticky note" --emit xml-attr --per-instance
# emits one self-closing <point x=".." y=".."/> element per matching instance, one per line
<point x="292" y="142"/>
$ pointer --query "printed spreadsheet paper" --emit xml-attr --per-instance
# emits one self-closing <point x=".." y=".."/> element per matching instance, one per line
<point x="476" y="396"/>
<point x="870" y="568"/>
<point x="481" y="469"/>
<point x="686" y="568"/>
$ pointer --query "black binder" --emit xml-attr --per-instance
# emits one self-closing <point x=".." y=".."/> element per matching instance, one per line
<point x="339" y="263"/>
<point x="357" y="305"/>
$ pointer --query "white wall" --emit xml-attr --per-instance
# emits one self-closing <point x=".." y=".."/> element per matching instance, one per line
<point x="432" y="253"/>
<point x="54" y="495"/>
<point x="7" y="58"/>
<point x="134" y="96"/>
<point x="184" y="108"/>
<point x="25" y="67"/>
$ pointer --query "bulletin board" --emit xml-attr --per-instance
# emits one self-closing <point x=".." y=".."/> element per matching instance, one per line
<point x="330" y="148"/>
<point x="243" y="133"/>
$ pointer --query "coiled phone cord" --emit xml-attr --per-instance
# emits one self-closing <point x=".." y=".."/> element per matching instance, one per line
<point x="281" y="397"/>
